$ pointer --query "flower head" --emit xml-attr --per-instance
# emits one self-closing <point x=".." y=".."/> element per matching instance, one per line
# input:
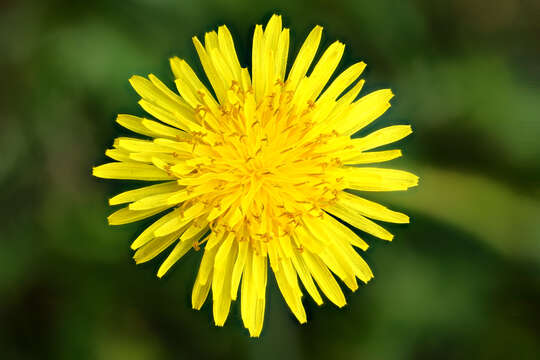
<point x="256" y="172"/>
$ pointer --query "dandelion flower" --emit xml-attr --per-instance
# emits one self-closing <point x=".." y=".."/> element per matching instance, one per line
<point x="256" y="172"/>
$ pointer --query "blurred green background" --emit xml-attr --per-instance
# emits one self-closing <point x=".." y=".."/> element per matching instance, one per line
<point x="461" y="281"/>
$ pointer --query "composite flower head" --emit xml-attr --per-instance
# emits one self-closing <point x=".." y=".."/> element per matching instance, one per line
<point x="256" y="171"/>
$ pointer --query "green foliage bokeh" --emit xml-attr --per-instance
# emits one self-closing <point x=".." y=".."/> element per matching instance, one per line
<point x="460" y="282"/>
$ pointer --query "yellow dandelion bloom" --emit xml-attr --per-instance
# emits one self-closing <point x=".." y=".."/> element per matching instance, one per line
<point x="256" y="172"/>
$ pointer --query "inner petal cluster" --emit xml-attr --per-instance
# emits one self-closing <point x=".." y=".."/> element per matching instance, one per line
<point x="266" y="164"/>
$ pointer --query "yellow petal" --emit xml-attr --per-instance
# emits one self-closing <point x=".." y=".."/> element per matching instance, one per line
<point x="137" y="194"/>
<point x="252" y="306"/>
<point x="207" y="265"/>
<point x="134" y="123"/>
<point x="338" y="264"/>
<point x="305" y="276"/>
<point x="359" y="221"/>
<point x="343" y="81"/>
<point x="176" y="119"/>
<point x="268" y="55"/>
<point x="382" y="137"/>
<point x="156" y="200"/>
<point x="148" y="157"/>
<point x="126" y="216"/>
<point x="308" y="241"/>
<point x="161" y="130"/>
<point x="200" y="292"/>
<point x="292" y="297"/>
<point x="370" y="209"/>
<point x="216" y="81"/>
<point x="137" y="145"/>
<point x="188" y="84"/>
<point x="238" y="268"/>
<point x="182" y="149"/>
<point x="220" y="66"/>
<point x="377" y="179"/>
<point x="154" y="94"/>
<point x="258" y="317"/>
<point x="224" y="250"/>
<point x="226" y="45"/>
<point x="221" y="283"/>
<point x="130" y="171"/>
<point x="356" y="158"/>
<point x="196" y="231"/>
<point x="325" y="67"/>
<point x="248" y="293"/>
<point x="339" y="255"/>
<point x="341" y="232"/>
<point x="340" y="110"/>
<point x="345" y="252"/>
<point x="154" y="248"/>
<point x="171" y="226"/>
<point x="202" y="283"/>
<point x="324" y="278"/>
<point x="179" y="222"/>
<point x="179" y="250"/>
<point x="257" y="70"/>
<point x="260" y="265"/>
<point x="167" y="92"/>
<point x="282" y="54"/>
<point x="364" y="111"/>
<point x="148" y="233"/>
<point x="305" y="57"/>
<point x="214" y="239"/>
<point x="118" y="155"/>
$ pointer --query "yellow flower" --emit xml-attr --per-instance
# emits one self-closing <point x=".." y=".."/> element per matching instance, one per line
<point x="257" y="174"/>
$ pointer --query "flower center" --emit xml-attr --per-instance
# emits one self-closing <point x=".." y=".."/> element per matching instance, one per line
<point x="266" y="164"/>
